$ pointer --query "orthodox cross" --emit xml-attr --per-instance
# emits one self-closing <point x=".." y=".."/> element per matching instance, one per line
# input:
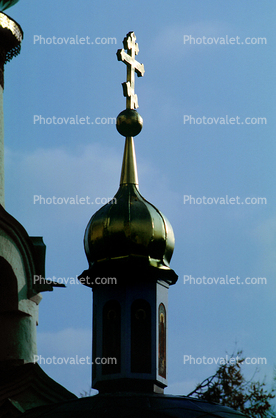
<point x="132" y="66"/>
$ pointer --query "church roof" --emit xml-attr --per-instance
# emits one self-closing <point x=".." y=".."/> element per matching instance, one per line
<point x="24" y="386"/>
<point x="134" y="405"/>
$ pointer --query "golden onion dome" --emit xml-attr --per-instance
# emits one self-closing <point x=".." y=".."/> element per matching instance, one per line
<point x="130" y="231"/>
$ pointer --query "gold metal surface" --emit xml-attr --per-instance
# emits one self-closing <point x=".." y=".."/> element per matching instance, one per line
<point x="129" y="174"/>
<point x="129" y="228"/>
<point x="132" y="66"/>
<point x="7" y="23"/>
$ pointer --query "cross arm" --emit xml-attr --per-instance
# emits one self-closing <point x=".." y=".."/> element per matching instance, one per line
<point x="127" y="59"/>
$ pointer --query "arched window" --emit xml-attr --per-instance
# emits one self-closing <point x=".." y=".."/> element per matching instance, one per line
<point x="111" y="337"/>
<point x="140" y="337"/>
<point x="162" y="326"/>
<point x="8" y="287"/>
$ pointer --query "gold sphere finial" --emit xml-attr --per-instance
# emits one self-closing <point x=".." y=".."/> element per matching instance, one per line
<point x="129" y="123"/>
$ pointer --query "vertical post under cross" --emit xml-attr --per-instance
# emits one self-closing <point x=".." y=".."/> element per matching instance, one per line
<point x="132" y="66"/>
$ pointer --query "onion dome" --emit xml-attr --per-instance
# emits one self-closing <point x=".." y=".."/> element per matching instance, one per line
<point x="129" y="230"/>
<point x="11" y="38"/>
<point x="12" y="33"/>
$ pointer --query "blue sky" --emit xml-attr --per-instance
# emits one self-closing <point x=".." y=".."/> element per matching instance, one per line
<point x="174" y="159"/>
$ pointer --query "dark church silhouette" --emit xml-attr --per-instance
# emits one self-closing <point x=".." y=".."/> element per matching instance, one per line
<point x="129" y="239"/>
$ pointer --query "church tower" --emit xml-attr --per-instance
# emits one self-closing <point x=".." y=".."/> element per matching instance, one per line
<point x="21" y="257"/>
<point x="131" y="242"/>
<point x="23" y="384"/>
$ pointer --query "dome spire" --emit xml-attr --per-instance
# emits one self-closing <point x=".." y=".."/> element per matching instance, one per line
<point x="129" y="123"/>
<point x="129" y="173"/>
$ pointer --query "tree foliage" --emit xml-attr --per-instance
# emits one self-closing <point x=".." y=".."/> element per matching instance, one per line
<point x="229" y="387"/>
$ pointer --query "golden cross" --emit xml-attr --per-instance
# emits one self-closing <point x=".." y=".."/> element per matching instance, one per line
<point x="132" y="66"/>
